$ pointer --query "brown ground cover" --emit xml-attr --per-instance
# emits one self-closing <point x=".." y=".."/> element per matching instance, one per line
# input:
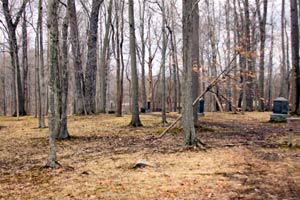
<point x="246" y="158"/>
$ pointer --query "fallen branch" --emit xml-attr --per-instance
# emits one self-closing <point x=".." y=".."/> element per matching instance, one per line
<point x="225" y="72"/>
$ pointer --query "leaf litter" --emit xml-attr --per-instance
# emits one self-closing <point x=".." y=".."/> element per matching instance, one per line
<point x="246" y="159"/>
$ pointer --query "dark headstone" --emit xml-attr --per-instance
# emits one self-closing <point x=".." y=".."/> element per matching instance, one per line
<point x="111" y="108"/>
<point x="201" y="106"/>
<point x="148" y="105"/>
<point x="143" y="110"/>
<point x="281" y="106"/>
<point x="280" y="110"/>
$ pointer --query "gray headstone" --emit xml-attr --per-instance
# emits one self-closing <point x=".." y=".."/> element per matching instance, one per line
<point x="280" y="110"/>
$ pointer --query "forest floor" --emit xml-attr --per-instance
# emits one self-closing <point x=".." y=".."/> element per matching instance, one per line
<point x="246" y="158"/>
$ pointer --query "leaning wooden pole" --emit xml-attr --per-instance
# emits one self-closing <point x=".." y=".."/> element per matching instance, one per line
<point x="225" y="72"/>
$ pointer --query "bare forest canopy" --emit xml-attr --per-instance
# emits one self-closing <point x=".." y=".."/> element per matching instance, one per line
<point x="98" y="66"/>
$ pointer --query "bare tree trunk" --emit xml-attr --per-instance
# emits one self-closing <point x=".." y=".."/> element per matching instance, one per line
<point x="228" y="54"/>
<point x="64" y="133"/>
<point x="295" y="55"/>
<point x="235" y="86"/>
<point x="188" y="121"/>
<point x="91" y="66"/>
<point x="135" y="120"/>
<point x="288" y="82"/>
<point x="25" y="60"/>
<point x="54" y="82"/>
<point x="3" y="78"/>
<point x="242" y="58"/>
<point x="163" y="65"/>
<point x="270" y="67"/>
<point x="14" y="49"/>
<point x="262" y="27"/>
<point x="213" y="67"/>
<point x="178" y="80"/>
<point x="150" y="60"/>
<point x="195" y="59"/>
<point x="143" y="52"/>
<point x="249" y="90"/>
<point x="37" y="83"/>
<point x="119" y="9"/>
<point x="283" y="88"/>
<point x="104" y="62"/>
<point x="174" y="61"/>
<point x="41" y="89"/>
<point x="74" y="37"/>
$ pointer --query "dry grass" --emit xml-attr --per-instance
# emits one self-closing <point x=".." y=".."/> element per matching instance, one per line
<point x="245" y="160"/>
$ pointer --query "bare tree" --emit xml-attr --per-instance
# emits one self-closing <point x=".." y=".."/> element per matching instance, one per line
<point x="174" y="58"/>
<point x="104" y="61"/>
<point x="283" y="88"/>
<point x="295" y="55"/>
<point x="12" y="23"/>
<point x="248" y="75"/>
<point x="25" y="60"/>
<point x="135" y="120"/>
<point x="270" y="66"/>
<point x="187" y="31"/>
<point x="213" y="60"/>
<point x="54" y="82"/>
<point x="195" y="58"/>
<point x="79" y="80"/>
<point x="235" y="72"/>
<point x="262" y="27"/>
<point x="91" y="66"/>
<point x="64" y="133"/>
<point x="142" y="5"/>
<point x="228" y="55"/>
<point x="163" y="63"/>
<point x="40" y="82"/>
<point x="119" y="9"/>
<point x="3" y="81"/>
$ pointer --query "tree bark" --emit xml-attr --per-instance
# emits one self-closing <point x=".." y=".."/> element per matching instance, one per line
<point x="213" y="61"/>
<point x="187" y="31"/>
<point x="249" y="90"/>
<point x="262" y="27"/>
<point x="14" y="49"/>
<point x="25" y="60"/>
<point x="54" y="82"/>
<point x="143" y="53"/>
<point x="3" y="81"/>
<point x="74" y="37"/>
<point x="295" y="55"/>
<point x="135" y="120"/>
<point x="195" y="59"/>
<point x="228" y="54"/>
<point x="270" y="67"/>
<point x="91" y="66"/>
<point x="119" y="9"/>
<point x="283" y="87"/>
<point x="163" y="66"/>
<point x="64" y="133"/>
<point x="104" y="62"/>
<point x="40" y="72"/>
<point x="235" y="72"/>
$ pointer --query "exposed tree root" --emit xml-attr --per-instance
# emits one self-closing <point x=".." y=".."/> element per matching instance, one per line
<point x="52" y="165"/>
